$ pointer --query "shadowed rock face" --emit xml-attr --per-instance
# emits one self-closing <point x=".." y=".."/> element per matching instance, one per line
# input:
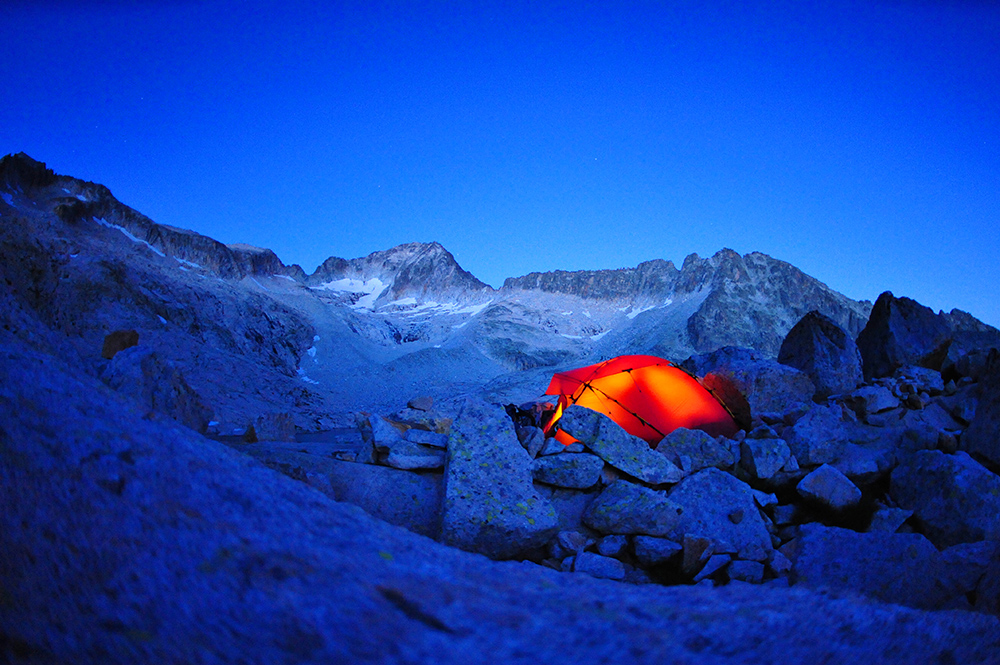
<point x="902" y="332"/>
<point x="825" y="351"/>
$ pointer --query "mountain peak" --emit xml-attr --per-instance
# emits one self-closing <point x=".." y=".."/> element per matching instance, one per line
<point x="419" y="269"/>
<point x="21" y="171"/>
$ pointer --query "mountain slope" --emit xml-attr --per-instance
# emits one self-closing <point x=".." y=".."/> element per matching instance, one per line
<point x="365" y="333"/>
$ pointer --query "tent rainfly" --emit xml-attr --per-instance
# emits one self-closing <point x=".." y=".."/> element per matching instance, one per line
<point x="649" y="397"/>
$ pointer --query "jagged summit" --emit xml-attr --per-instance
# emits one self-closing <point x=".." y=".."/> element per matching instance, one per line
<point x="412" y="269"/>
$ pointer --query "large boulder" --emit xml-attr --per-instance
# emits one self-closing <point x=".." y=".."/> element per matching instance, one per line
<point x="982" y="438"/>
<point x="693" y="450"/>
<point x="490" y="504"/>
<point x="954" y="499"/>
<point x="823" y="350"/>
<point x="902" y="568"/>
<point x="900" y="332"/>
<point x="768" y="385"/>
<point x="625" y="452"/>
<point x="156" y="384"/>
<point x="720" y="507"/>
<point x="627" y="508"/>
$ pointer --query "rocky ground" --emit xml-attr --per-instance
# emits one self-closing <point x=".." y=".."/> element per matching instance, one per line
<point x="884" y="486"/>
<point x="855" y="519"/>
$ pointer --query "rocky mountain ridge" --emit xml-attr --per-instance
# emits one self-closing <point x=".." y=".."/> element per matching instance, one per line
<point x="372" y="331"/>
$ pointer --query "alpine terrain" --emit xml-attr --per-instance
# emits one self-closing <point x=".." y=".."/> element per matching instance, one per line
<point x="207" y="456"/>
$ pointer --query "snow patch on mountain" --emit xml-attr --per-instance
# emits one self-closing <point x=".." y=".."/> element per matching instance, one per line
<point x="127" y="234"/>
<point x="368" y="290"/>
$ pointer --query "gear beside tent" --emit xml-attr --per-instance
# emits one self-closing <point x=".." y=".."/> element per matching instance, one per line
<point x="649" y="397"/>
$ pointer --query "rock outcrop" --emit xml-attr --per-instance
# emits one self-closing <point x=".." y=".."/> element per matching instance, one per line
<point x="825" y="352"/>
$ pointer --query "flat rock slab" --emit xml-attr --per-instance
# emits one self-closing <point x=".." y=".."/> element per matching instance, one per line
<point x="490" y="503"/>
<point x="618" y="448"/>
<point x="953" y="498"/>
<point x="720" y="507"/>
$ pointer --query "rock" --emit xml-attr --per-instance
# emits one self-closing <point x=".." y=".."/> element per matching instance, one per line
<point x="715" y="564"/>
<point x="697" y="550"/>
<point x="767" y="384"/>
<point x="829" y="487"/>
<point x="490" y="504"/>
<point x="567" y="543"/>
<point x="900" y="332"/>
<point x="825" y="352"/>
<point x="982" y="438"/>
<point x="274" y="427"/>
<point x="574" y="471"/>
<point x="779" y="563"/>
<point x="746" y="571"/>
<point x="432" y="439"/>
<point x="961" y="405"/>
<point x="408" y="455"/>
<point x="870" y="400"/>
<point x="627" y="508"/>
<point x="694" y="450"/>
<point x="599" y="566"/>
<point x="553" y="447"/>
<point x="410" y="500"/>
<point x="707" y="500"/>
<point x="613" y="546"/>
<point x="652" y="551"/>
<point x="156" y="384"/>
<point x="533" y="440"/>
<point x="762" y="458"/>
<point x="423" y="403"/>
<point x="974" y="364"/>
<point x="888" y="519"/>
<point x="119" y="340"/>
<point x="966" y="563"/>
<point x="384" y="434"/>
<point x="785" y="514"/>
<point x="569" y="505"/>
<point x="921" y="379"/>
<point x="953" y="498"/>
<point x="826" y="435"/>
<point x="902" y="568"/>
<point x="988" y="590"/>
<point x="764" y="499"/>
<point x="617" y="447"/>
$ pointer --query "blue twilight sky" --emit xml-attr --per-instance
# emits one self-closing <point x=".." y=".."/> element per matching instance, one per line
<point x="857" y="140"/>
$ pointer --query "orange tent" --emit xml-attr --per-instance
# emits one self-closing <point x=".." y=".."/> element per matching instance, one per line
<point x="648" y="396"/>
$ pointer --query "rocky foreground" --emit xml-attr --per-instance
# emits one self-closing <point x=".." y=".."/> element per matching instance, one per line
<point x="130" y="538"/>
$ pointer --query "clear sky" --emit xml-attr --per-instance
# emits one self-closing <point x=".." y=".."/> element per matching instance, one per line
<point x="859" y="141"/>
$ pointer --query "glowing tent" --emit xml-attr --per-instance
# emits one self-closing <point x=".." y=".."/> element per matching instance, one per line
<point x="649" y="397"/>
